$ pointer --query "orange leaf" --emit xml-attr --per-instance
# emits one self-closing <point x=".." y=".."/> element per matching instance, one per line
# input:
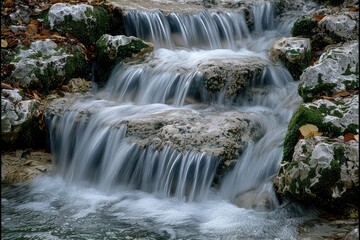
<point x="31" y="29"/>
<point x="331" y="99"/>
<point x="309" y="131"/>
<point x="318" y="17"/>
<point x="348" y="137"/>
<point x="343" y="93"/>
<point x="353" y="9"/>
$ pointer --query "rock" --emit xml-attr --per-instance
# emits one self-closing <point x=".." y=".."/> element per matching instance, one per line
<point x="45" y="65"/>
<point x="231" y="75"/>
<point x="18" y="166"/>
<point x="335" y="71"/>
<point x="332" y="118"/>
<point x="85" y="22"/>
<point x="19" y="120"/>
<point x="340" y="25"/>
<point x="114" y="49"/>
<point x="353" y="235"/>
<point x="294" y="52"/>
<point x="323" y="173"/>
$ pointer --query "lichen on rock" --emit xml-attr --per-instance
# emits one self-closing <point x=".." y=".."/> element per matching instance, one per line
<point x="44" y="65"/>
<point x="85" y="22"/>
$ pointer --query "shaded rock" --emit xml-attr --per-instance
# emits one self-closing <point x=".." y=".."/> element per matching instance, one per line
<point x="114" y="49"/>
<point x="231" y="75"/>
<point x="294" y="52"/>
<point x="45" y="65"/>
<point x="335" y="71"/>
<point x="353" y="235"/>
<point x="85" y="22"/>
<point x="19" y="120"/>
<point x="19" y="166"/>
<point x="332" y="118"/>
<point x="323" y="173"/>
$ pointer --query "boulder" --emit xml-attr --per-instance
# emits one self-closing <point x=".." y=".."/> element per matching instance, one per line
<point x="333" y="119"/>
<point x="44" y="65"/>
<point x="323" y="173"/>
<point x="114" y="49"/>
<point x="24" y="165"/>
<point x="20" y="120"/>
<point x="85" y="22"/>
<point x="294" y="52"/>
<point x="231" y="75"/>
<point x="336" y="70"/>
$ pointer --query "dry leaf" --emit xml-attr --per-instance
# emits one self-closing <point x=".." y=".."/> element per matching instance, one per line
<point x="318" y="17"/>
<point x="31" y="29"/>
<point x="343" y="94"/>
<point x="4" y="43"/>
<point x="331" y="99"/>
<point x="353" y="9"/>
<point x="348" y="137"/>
<point x="309" y="131"/>
<point x="356" y="136"/>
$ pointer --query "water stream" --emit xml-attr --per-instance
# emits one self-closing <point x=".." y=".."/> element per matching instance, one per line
<point x="106" y="187"/>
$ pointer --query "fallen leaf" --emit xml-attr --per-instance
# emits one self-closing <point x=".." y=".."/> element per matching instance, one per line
<point x="6" y="86"/>
<point x="309" y="131"/>
<point x="356" y="136"/>
<point x="31" y="29"/>
<point x="4" y="43"/>
<point x="343" y="93"/>
<point x="318" y="17"/>
<point x="348" y="137"/>
<point x="331" y="99"/>
<point x="26" y="42"/>
<point x="353" y="9"/>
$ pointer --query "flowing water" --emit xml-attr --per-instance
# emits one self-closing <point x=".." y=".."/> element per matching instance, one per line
<point x="106" y="187"/>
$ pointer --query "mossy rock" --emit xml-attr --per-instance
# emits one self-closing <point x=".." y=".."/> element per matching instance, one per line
<point x="306" y="115"/>
<point x="114" y="49"/>
<point x="44" y="65"/>
<point x="304" y="27"/>
<point x="87" y="23"/>
<point x="321" y="89"/>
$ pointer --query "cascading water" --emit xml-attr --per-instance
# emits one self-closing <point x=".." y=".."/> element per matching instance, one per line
<point x="108" y="184"/>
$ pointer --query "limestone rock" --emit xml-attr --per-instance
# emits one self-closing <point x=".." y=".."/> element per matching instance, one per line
<point x="114" y="49"/>
<point x="322" y="172"/>
<point x="19" y="120"/>
<point x="45" y="65"/>
<point x="84" y="21"/>
<point x="335" y="71"/>
<point x="294" y="52"/>
<point x="341" y="25"/>
<point x="19" y="165"/>
<point x="231" y="75"/>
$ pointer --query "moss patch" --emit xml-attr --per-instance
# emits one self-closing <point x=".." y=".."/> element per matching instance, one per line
<point x="304" y="27"/>
<point x="321" y="89"/>
<point x="304" y="115"/>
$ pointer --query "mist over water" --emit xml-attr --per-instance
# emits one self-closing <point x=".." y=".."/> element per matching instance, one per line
<point x="106" y="187"/>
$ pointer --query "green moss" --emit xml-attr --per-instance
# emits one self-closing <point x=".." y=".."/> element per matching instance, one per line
<point x="109" y="56"/>
<point x="304" y="115"/>
<point x="320" y="89"/>
<point x="352" y="128"/>
<point x="304" y="27"/>
<point x="49" y="77"/>
<point x="297" y="68"/>
<point x="87" y="30"/>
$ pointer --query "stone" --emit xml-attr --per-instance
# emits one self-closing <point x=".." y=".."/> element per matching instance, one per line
<point x="341" y="25"/>
<point x="85" y="22"/>
<point x="44" y="65"/>
<point x="335" y="71"/>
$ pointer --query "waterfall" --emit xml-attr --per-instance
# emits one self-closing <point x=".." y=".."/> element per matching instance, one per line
<point x="90" y="141"/>
<point x="150" y="154"/>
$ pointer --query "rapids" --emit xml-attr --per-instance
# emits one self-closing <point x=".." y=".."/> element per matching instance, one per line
<point x="104" y="187"/>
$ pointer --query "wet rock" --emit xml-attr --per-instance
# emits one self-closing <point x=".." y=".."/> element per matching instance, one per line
<point x="19" y="120"/>
<point x="332" y="118"/>
<point x="294" y="52"/>
<point x="114" y="49"/>
<point x="353" y="235"/>
<point x="324" y="173"/>
<point x="335" y="71"/>
<point x="85" y="22"/>
<point x="19" y="165"/>
<point x="45" y="65"/>
<point x="231" y="75"/>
